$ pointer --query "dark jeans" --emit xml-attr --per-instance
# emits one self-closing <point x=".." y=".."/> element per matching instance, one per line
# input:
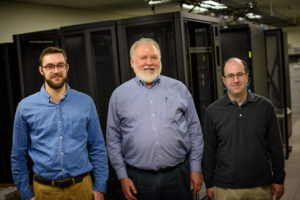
<point x="170" y="184"/>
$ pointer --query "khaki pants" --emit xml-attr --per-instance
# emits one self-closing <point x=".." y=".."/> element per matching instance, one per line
<point x="257" y="193"/>
<point x="78" y="191"/>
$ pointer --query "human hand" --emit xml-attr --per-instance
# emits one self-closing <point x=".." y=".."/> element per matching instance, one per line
<point x="277" y="191"/>
<point x="98" y="195"/>
<point x="196" y="182"/>
<point x="32" y="198"/>
<point x="127" y="188"/>
<point x="210" y="193"/>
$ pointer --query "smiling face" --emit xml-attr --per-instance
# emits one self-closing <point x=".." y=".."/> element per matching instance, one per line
<point x="146" y="62"/>
<point x="236" y="86"/>
<point x="54" y="78"/>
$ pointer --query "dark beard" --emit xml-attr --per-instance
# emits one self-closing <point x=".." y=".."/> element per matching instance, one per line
<point x="56" y="86"/>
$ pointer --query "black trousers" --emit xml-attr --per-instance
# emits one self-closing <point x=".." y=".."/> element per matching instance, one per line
<point x="169" y="184"/>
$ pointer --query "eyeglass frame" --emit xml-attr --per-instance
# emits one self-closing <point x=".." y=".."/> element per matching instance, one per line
<point x="52" y="66"/>
<point x="238" y="75"/>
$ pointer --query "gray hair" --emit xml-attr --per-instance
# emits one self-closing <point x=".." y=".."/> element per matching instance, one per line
<point x="144" y="40"/>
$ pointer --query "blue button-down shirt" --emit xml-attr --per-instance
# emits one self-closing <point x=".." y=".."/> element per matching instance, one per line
<point x="56" y="138"/>
<point x="153" y="128"/>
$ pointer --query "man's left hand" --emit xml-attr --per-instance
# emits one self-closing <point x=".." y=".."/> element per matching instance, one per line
<point x="196" y="182"/>
<point x="98" y="195"/>
<point x="277" y="191"/>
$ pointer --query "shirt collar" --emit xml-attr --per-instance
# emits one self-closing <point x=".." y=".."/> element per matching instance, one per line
<point x="47" y="96"/>
<point x="250" y="98"/>
<point x="142" y="83"/>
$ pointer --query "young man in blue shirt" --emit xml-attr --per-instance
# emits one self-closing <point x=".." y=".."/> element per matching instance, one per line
<point x="54" y="126"/>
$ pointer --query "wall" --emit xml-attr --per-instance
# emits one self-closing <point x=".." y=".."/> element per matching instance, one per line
<point x="295" y="86"/>
<point x="293" y="34"/>
<point x="18" y="18"/>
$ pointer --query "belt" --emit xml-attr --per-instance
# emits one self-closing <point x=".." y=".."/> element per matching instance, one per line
<point x="155" y="171"/>
<point x="61" y="183"/>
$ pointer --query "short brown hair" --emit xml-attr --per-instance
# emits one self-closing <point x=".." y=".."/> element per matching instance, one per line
<point x="237" y="59"/>
<point x="51" y="50"/>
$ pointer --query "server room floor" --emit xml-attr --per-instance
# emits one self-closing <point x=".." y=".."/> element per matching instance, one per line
<point x="292" y="164"/>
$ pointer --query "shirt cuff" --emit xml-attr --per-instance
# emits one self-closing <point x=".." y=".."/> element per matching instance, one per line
<point x="27" y="195"/>
<point x="121" y="173"/>
<point x="195" y="166"/>
<point x="100" y="187"/>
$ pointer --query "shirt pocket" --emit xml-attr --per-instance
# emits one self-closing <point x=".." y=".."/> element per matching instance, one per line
<point x="79" y="128"/>
<point x="173" y="109"/>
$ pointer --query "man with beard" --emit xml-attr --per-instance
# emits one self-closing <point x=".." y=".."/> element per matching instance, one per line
<point x="54" y="126"/>
<point x="154" y="137"/>
<point x="243" y="157"/>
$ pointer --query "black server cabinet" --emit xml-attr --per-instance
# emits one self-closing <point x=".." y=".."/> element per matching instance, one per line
<point x="29" y="47"/>
<point x="11" y="95"/>
<point x="246" y="41"/>
<point x="93" y="59"/>
<point x="189" y="46"/>
<point x="279" y="82"/>
<point x="94" y="69"/>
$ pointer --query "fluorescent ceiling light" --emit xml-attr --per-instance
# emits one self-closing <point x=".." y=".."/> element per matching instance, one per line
<point x="253" y="16"/>
<point x="213" y="5"/>
<point x="154" y="2"/>
<point x="195" y="8"/>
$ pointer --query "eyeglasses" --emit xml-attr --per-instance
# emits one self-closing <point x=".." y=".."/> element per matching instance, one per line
<point x="239" y="75"/>
<point x="51" y="67"/>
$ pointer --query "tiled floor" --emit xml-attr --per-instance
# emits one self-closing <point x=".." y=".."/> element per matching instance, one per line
<point x="292" y="165"/>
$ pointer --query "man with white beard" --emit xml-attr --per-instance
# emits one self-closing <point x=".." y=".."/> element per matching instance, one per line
<point x="154" y="137"/>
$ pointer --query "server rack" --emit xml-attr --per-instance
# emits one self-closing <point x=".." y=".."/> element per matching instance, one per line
<point x="279" y="82"/>
<point x="94" y="69"/>
<point x="29" y="47"/>
<point x="93" y="59"/>
<point x="190" y="51"/>
<point x="10" y="87"/>
<point x="246" y="41"/>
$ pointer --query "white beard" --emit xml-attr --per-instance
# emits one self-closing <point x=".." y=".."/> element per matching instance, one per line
<point x="147" y="78"/>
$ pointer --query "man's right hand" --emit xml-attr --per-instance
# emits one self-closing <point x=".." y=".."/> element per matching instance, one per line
<point x="127" y="188"/>
<point x="210" y="193"/>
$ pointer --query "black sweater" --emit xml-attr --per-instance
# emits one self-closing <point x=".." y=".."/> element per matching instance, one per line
<point x="242" y="144"/>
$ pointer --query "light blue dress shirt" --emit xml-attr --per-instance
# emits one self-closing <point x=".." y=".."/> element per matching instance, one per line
<point x="153" y="128"/>
<point x="56" y="137"/>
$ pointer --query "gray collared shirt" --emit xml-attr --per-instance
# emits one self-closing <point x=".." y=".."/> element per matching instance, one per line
<point x="153" y="128"/>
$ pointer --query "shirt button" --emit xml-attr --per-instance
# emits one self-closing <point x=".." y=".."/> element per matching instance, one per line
<point x="60" y="137"/>
<point x="59" y="121"/>
<point x="153" y="115"/>
<point x="156" y="142"/>
<point x="241" y="115"/>
<point x="57" y="106"/>
<point x="63" y="169"/>
<point x="154" y="128"/>
<point x="61" y="153"/>
<point x="151" y="101"/>
<point x="159" y="156"/>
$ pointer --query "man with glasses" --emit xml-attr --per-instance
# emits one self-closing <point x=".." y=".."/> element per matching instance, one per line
<point x="55" y="126"/>
<point x="243" y="156"/>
